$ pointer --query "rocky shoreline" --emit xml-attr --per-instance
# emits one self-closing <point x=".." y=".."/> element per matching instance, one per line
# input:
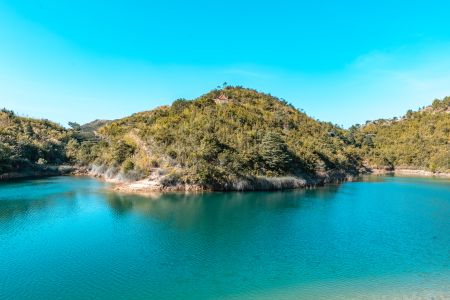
<point x="409" y="172"/>
<point x="154" y="185"/>
<point x="155" y="182"/>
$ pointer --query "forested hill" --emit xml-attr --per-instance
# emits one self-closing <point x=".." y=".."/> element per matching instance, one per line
<point x="419" y="140"/>
<point x="229" y="139"/>
<point x="221" y="138"/>
<point x="28" y="143"/>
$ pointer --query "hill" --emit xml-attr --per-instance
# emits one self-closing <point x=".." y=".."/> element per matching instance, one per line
<point x="228" y="139"/>
<point x="30" y="145"/>
<point x="419" y="140"/>
<point x="234" y="138"/>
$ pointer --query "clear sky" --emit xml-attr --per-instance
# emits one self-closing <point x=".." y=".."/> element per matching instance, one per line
<point x="340" y="61"/>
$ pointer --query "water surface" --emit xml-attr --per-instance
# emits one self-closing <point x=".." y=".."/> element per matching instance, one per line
<point x="71" y="238"/>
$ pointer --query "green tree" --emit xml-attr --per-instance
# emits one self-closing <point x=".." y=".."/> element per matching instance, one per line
<point x="275" y="154"/>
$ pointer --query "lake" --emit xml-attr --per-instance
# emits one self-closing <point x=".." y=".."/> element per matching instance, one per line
<point x="72" y="238"/>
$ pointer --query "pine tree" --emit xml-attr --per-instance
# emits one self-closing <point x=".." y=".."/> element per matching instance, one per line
<point x="275" y="154"/>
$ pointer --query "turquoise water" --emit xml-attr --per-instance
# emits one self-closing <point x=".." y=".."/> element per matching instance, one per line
<point x="70" y="238"/>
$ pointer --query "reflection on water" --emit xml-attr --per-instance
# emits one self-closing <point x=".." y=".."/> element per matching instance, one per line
<point x="379" y="236"/>
<point x="213" y="210"/>
<point x="30" y="197"/>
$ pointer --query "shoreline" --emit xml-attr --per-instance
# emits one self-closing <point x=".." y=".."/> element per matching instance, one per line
<point x="409" y="172"/>
<point x="39" y="172"/>
<point x="153" y="184"/>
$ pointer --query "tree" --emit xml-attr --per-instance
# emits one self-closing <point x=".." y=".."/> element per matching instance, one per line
<point x="409" y="114"/>
<point x="180" y="104"/>
<point x="75" y="126"/>
<point x="275" y="154"/>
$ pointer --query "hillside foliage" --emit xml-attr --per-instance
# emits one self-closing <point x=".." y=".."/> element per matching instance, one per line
<point x="208" y="142"/>
<point x="419" y="140"/>
<point x="228" y="134"/>
<point x="26" y="142"/>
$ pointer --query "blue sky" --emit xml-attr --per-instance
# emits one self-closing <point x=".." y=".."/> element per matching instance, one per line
<point x="340" y="61"/>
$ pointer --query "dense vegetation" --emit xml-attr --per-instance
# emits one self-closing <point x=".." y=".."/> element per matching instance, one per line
<point x="31" y="144"/>
<point x="419" y="140"/>
<point x="214" y="142"/>
<point x="226" y="135"/>
<point x="27" y="143"/>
